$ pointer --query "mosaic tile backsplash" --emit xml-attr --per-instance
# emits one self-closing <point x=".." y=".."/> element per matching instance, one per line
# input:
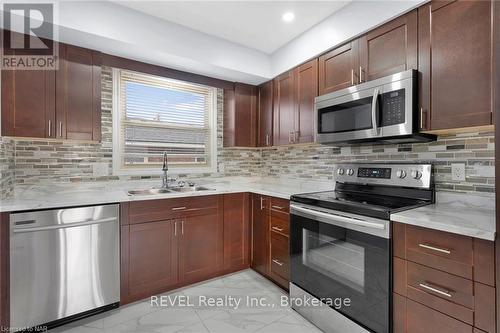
<point x="49" y="161"/>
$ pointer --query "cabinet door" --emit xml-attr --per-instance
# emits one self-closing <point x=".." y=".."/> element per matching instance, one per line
<point x="456" y="67"/>
<point x="260" y="234"/>
<point x="246" y="115"/>
<point x="152" y="264"/>
<point x="306" y="91"/>
<point x="28" y="103"/>
<point x="78" y="94"/>
<point x="236" y="231"/>
<point x="201" y="246"/>
<point x="389" y="49"/>
<point x="284" y="108"/>
<point x="338" y="68"/>
<point x="265" y="132"/>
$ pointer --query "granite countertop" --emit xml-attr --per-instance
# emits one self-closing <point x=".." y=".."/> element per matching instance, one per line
<point x="463" y="214"/>
<point x="71" y="194"/>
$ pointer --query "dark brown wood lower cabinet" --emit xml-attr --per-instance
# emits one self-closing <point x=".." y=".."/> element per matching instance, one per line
<point x="270" y="239"/>
<point x="236" y="231"/>
<point x="200" y="247"/>
<point x="260" y="234"/>
<point x="186" y="246"/>
<point x="152" y="258"/>
<point x="412" y="317"/>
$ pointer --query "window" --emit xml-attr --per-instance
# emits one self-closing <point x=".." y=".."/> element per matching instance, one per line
<point x="153" y="114"/>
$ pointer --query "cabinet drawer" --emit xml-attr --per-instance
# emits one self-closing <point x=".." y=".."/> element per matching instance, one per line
<point x="279" y="255"/>
<point x="449" y="294"/>
<point x="156" y="210"/>
<point x="281" y="225"/>
<point x="442" y="250"/>
<point x="280" y="205"/>
<point x="421" y="319"/>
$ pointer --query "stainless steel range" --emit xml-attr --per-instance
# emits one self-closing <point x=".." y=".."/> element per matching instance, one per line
<point x="340" y="244"/>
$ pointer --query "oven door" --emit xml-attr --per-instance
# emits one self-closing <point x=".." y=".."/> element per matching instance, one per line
<point x="339" y="255"/>
<point x="373" y="110"/>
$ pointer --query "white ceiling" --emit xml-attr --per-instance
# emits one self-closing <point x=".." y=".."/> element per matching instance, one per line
<point x="255" y="24"/>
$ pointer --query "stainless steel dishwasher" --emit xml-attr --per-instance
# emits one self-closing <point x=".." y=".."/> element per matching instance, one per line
<point x="64" y="264"/>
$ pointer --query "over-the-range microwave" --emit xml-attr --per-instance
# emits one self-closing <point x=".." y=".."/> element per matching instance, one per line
<point x="383" y="110"/>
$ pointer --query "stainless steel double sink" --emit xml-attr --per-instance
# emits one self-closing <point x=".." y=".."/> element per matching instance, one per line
<point x="154" y="191"/>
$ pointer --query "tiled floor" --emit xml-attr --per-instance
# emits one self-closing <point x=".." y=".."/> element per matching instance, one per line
<point x="142" y="317"/>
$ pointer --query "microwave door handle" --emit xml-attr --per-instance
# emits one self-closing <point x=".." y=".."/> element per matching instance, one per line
<point x="374" y="111"/>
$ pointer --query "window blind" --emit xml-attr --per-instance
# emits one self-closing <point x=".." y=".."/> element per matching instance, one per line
<point x="158" y="115"/>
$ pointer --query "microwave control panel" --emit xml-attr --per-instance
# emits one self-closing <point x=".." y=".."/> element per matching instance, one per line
<point x="392" y="108"/>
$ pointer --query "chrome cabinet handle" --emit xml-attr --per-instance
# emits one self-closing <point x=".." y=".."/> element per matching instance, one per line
<point x="261" y="203"/>
<point x="60" y="129"/>
<point x="267" y="139"/>
<point x="179" y="208"/>
<point x="360" y="74"/>
<point x="352" y="76"/>
<point x="175" y="228"/>
<point x="277" y="262"/>
<point x="277" y="229"/>
<point x="182" y="227"/>
<point x="374" y="111"/>
<point x="446" y="293"/>
<point x="50" y="128"/>
<point x="421" y="118"/>
<point x="437" y="249"/>
<point x="277" y="207"/>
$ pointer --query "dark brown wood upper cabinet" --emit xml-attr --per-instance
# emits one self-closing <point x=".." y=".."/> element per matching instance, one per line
<point x="284" y="108"/>
<point x="306" y="91"/>
<point x="389" y="49"/>
<point x="63" y="104"/>
<point x="265" y="124"/>
<point x="294" y="93"/>
<point x="240" y="116"/>
<point x="78" y="94"/>
<point x="338" y="68"/>
<point x="28" y="103"/>
<point x="455" y="61"/>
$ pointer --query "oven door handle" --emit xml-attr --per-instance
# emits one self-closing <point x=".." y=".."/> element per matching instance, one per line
<point x="339" y="218"/>
<point x="374" y="111"/>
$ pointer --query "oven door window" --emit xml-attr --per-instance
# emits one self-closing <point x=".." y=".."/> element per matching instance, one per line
<point x="346" y="117"/>
<point x="333" y="262"/>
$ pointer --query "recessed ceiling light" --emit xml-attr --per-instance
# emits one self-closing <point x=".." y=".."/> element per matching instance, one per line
<point x="288" y="17"/>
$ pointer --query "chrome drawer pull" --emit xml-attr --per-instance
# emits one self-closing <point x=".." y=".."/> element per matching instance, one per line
<point x="277" y="262"/>
<point x="277" y="229"/>
<point x="437" y="291"/>
<point x="277" y="207"/>
<point x="437" y="249"/>
<point x="178" y="208"/>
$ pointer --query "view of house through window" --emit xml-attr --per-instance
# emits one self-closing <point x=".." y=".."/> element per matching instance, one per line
<point x="155" y="114"/>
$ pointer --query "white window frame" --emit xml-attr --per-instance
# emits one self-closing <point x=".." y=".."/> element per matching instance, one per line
<point x="117" y="149"/>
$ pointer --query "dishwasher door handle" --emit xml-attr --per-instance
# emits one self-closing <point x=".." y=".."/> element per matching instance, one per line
<point x="65" y="226"/>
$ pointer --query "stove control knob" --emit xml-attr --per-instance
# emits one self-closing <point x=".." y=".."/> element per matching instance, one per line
<point x="340" y="171"/>
<point x="415" y="174"/>
<point x="401" y="174"/>
<point x="350" y="172"/>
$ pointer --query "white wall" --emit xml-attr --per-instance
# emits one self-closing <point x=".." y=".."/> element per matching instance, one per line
<point x="350" y="21"/>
